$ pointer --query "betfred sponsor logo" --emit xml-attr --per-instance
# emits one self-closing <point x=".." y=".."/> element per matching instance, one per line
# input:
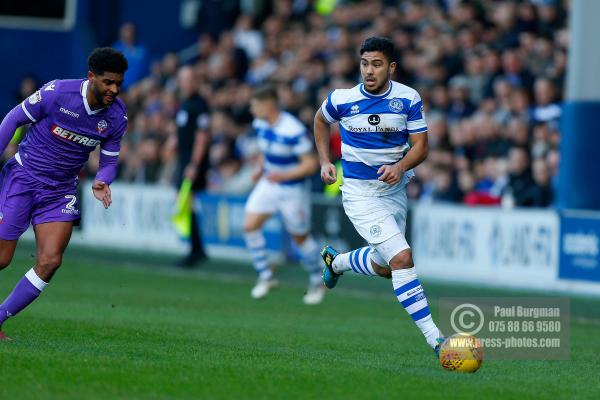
<point x="74" y="137"/>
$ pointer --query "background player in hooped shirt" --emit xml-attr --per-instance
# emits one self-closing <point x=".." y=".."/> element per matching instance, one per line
<point x="288" y="159"/>
<point x="377" y="118"/>
<point x="69" y="119"/>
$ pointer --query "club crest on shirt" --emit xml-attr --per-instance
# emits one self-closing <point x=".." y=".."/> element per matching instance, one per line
<point x="395" y="105"/>
<point x="375" y="230"/>
<point x="102" y="125"/>
<point x="35" y="98"/>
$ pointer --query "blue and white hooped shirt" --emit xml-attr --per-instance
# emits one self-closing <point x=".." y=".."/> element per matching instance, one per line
<point x="375" y="131"/>
<point x="282" y="144"/>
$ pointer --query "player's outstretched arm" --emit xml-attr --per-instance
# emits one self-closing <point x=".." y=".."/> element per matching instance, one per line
<point x="15" y="118"/>
<point x="328" y="171"/>
<point x="392" y="174"/>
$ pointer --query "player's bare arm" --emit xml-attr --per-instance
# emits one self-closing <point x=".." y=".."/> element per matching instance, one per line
<point x="392" y="174"/>
<point x="259" y="168"/>
<point x="328" y="171"/>
<point x="308" y="165"/>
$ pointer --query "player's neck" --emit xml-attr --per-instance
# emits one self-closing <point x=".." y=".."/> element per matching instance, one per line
<point x="273" y="117"/>
<point x="91" y="99"/>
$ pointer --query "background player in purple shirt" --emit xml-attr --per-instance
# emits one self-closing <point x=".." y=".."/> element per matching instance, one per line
<point x="69" y="118"/>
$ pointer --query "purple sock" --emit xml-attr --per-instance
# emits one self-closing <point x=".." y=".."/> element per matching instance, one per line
<point x="27" y="290"/>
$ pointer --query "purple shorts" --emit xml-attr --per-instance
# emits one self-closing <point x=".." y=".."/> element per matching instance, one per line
<point x="25" y="200"/>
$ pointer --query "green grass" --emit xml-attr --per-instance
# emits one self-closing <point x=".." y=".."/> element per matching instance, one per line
<point x="128" y="327"/>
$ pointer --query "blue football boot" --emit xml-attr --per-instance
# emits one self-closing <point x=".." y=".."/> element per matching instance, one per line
<point x="330" y="277"/>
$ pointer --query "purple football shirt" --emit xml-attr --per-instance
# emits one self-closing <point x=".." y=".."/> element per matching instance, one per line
<point x="65" y="130"/>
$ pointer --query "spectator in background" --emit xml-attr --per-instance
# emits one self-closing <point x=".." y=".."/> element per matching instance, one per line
<point x="193" y="140"/>
<point x="541" y="193"/>
<point x="545" y="110"/>
<point x="136" y="54"/>
<point x="520" y="179"/>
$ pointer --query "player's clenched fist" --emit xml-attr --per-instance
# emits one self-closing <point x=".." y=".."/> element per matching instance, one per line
<point x="390" y="174"/>
<point x="328" y="173"/>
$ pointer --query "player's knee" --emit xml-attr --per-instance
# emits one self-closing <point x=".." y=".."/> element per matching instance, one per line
<point x="251" y="225"/>
<point x="382" y="271"/>
<point x="6" y="256"/>
<point x="5" y="262"/>
<point x="299" y="239"/>
<point x="50" y="262"/>
<point x="402" y="260"/>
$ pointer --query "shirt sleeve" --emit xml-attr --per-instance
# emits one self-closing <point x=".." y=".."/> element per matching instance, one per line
<point x="303" y="146"/>
<point x="15" y="118"/>
<point x="203" y="122"/>
<point x="37" y="106"/>
<point x="109" y="155"/>
<point x="203" y="118"/>
<point x="329" y="109"/>
<point x="415" y="121"/>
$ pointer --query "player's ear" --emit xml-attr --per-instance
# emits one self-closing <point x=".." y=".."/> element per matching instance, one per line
<point x="91" y="75"/>
<point x="392" y="67"/>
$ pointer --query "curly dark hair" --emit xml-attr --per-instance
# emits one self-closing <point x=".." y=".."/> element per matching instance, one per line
<point x="379" y="43"/>
<point x="107" y="59"/>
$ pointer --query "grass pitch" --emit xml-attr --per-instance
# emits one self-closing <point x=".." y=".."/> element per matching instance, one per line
<point x="115" y="326"/>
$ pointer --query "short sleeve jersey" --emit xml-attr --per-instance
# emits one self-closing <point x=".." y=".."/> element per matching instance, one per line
<point x="64" y="130"/>
<point x="375" y="131"/>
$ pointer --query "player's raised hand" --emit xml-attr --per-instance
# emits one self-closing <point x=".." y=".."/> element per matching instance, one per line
<point x="390" y="174"/>
<point x="102" y="192"/>
<point x="328" y="173"/>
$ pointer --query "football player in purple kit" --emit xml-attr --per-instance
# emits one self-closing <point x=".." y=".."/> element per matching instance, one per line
<point x="69" y="119"/>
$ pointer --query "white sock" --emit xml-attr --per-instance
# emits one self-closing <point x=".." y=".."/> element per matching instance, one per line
<point x="36" y="280"/>
<point x="256" y="244"/>
<point x="311" y="260"/>
<point x="358" y="261"/>
<point x="410" y="294"/>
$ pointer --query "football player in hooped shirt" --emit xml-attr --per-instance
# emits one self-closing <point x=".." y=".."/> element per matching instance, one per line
<point x="376" y="119"/>
<point x="69" y="119"/>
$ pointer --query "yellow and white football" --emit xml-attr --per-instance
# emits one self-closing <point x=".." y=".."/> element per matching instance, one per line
<point x="461" y="352"/>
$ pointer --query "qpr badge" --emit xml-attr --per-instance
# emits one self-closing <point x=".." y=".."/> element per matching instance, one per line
<point x="395" y="105"/>
<point x="102" y="125"/>
<point x="375" y="230"/>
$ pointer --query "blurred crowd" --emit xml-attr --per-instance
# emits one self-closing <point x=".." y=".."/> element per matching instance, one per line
<point x="490" y="74"/>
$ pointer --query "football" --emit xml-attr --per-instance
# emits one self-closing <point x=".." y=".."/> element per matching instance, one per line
<point x="461" y="352"/>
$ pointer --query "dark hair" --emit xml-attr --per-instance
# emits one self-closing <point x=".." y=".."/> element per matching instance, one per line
<point x="107" y="59"/>
<point x="265" y="92"/>
<point x="379" y="43"/>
